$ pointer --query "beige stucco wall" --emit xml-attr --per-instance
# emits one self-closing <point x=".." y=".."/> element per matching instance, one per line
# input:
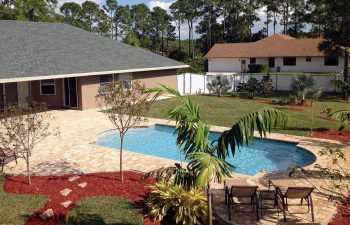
<point x="88" y="86"/>
<point x="154" y="78"/>
<point x="52" y="101"/>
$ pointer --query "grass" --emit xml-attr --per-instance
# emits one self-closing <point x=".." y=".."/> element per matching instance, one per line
<point x="16" y="209"/>
<point x="225" y="111"/>
<point x="105" y="210"/>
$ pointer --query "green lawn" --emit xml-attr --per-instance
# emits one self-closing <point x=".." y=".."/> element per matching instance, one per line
<point x="15" y="208"/>
<point x="224" y="111"/>
<point x="105" y="210"/>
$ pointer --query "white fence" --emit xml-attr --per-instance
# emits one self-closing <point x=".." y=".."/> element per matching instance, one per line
<point x="189" y="83"/>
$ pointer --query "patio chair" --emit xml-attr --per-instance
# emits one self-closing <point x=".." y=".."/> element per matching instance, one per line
<point x="6" y="156"/>
<point x="241" y="190"/>
<point x="295" y="193"/>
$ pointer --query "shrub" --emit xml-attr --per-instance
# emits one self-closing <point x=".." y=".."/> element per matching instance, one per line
<point x="303" y="85"/>
<point x="257" y="68"/>
<point x="251" y="87"/>
<point x="184" y="206"/>
<point x="219" y="85"/>
<point x="234" y="94"/>
<point x="266" y="85"/>
<point x="292" y="99"/>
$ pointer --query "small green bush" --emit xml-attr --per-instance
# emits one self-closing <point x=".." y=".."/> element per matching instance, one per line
<point x="250" y="88"/>
<point x="184" y="206"/>
<point x="257" y="68"/>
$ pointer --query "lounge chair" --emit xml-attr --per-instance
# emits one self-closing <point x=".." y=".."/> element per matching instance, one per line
<point x="241" y="190"/>
<point x="287" y="189"/>
<point x="6" y="156"/>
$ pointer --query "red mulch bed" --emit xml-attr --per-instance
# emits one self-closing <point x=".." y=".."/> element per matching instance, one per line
<point x="343" y="215"/>
<point x="333" y="135"/>
<point x="98" y="184"/>
<point x="257" y="99"/>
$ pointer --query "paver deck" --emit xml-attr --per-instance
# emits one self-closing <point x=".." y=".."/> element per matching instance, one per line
<point x="74" y="152"/>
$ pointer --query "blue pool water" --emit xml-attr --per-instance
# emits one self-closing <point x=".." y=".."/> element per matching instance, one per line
<point x="263" y="155"/>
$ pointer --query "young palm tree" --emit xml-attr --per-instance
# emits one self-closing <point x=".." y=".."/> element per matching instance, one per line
<point x="208" y="160"/>
<point x="219" y="85"/>
<point x="303" y="84"/>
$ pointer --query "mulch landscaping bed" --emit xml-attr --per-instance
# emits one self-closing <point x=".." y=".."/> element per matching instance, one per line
<point x="333" y="135"/>
<point x="98" y="184"/>
<point x="343" y="215"/>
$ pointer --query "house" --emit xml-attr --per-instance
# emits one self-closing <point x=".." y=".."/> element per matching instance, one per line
<point x="64" y="66"/>
<point x="280" y="53"/>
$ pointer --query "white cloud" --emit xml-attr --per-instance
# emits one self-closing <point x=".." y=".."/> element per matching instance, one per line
<point x="161" y="4"/>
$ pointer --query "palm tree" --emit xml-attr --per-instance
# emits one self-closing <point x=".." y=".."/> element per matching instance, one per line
<point x="303" y="84"/>
<point x="219" y="85"/>
<point x="342" y="116"/>
<point x="208" y="160"/>
<point x="344" y="86"/>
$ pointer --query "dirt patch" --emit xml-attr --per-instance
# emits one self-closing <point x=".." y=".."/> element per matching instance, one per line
<point x="98" y="184"/>
<point x="333" y="135"/>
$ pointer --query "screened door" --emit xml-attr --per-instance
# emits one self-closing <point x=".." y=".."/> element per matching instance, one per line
<point x="70" y="92"/>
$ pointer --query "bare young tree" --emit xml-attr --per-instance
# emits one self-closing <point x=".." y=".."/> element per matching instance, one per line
<point x="123" y="105"/>
<point x="22" y="127"/>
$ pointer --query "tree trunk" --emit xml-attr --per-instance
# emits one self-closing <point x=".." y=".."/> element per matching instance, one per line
<point x="121" y="158"/>
<point x="209" y="28"/>
<point x="274" y="22"/>
<point x="189" y="38"/>
<point x="346" y="73"/>
<point x="163" y="43"/>
<point x="179" y="28"/>
<point x="210" y="216"/>
<point x="28" y="168"/>
<point x="267" y="22"/>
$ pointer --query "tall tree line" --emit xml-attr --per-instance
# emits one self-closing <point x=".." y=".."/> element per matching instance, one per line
<point x="192" y="27"/>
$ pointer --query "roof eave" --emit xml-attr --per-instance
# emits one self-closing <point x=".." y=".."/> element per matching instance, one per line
<point x="58" y="76"/>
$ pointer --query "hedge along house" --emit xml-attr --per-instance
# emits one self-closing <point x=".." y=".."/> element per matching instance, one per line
<point x="280" y="53"/>
<point x="65" y="66"/>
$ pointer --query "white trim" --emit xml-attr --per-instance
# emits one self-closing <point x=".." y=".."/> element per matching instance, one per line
<point x="47" y="77"/>
<point x="54" y="86"/>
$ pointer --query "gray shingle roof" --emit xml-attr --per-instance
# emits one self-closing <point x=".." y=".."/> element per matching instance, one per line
<point x="30" y="49"/>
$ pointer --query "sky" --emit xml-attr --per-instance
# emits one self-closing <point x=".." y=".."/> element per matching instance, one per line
<point x="165" y="4"/>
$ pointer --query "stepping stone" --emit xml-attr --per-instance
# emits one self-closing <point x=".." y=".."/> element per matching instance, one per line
<point x="48" y="213"/>
<point x="71" y="179"/>
<point x="65" y="192"/>
<point x="66" y="204"/>
<point x="82" y="185"/>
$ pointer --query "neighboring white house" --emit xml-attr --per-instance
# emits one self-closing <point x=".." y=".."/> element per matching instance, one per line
<point x="280" y="53"/>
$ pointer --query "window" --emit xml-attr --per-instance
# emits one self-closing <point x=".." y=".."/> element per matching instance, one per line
<point x="308" y="59"/>
<point x="47" y="87"/>
<point x="105" y="80"/>
<point x="331" y="61"/>
<point x="289" y="61"/>
<point x="252" y="60"/>
<point x="271" y="62"/>
<point x="126" y="78"/>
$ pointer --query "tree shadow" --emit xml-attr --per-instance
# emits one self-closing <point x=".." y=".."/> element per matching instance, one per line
<point x="56" y="167"/>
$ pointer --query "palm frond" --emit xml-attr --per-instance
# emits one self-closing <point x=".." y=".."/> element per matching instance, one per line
<point x="342" y="116"/>
<point x="208" y="167"/>
<point x="340" y="84"/>
<point x="242" y="132"/>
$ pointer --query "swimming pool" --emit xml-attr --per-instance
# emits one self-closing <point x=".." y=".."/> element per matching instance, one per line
<point x="263" y="155"/>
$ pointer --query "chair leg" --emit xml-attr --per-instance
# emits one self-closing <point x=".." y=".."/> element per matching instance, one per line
<point x="229" y="208"/>
<point x="312" y="209"/>
<point x="301" y="201"/>
<point x="257" y="207"/>
<point x="226" y="193"/>
<point x="284" y="211"/>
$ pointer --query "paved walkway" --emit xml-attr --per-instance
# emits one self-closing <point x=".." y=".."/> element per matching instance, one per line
<point x="74" y="152"/>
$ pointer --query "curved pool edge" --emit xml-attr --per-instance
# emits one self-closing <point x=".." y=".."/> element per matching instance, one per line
<point x="297" y="140"/>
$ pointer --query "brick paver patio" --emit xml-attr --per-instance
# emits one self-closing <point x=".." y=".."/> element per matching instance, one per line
<point x="74" y="152"/>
